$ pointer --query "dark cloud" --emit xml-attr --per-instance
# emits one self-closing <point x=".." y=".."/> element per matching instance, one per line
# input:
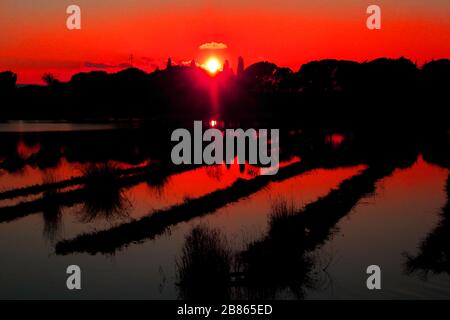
<point x="124" y="65"/>
<point x="95" y="65"/>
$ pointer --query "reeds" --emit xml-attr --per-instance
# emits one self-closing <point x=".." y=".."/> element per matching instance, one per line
<point x="104" y="195"/>
<point x="278" y="261"/>
<point x="204" y="267"/>
<point x="279" y="219"/>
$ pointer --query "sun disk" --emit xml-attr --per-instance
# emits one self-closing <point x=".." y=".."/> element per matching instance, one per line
<point x="212" y="65"/>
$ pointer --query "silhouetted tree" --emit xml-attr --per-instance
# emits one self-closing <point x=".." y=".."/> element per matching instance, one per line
<point x="261" y="70"/>
<point x="7" y="81"/>
<point x="169" y="63"/>
<point x="7" y="90"/>
<point x="50" y="79"/>
<point x="392" y="90"/>
<point x="226" y="67"/>
<point x="240" y="67"/>
<point x="261" y="76"/>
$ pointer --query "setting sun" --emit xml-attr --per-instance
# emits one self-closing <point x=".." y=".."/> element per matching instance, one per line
<point x="212" y="65"/>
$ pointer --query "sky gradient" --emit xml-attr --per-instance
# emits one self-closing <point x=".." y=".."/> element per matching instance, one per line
<point x="34" y="38"/>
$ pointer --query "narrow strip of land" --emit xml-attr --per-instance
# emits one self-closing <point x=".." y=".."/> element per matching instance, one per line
<point x="280" y="259"/>
<point x="70" y="198"/>
<point x="148" y="227"/>
<point x="73" y="181"/>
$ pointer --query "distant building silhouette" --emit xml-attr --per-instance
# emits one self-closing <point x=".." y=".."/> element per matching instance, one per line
<point x="226" y="67"/>
<point x="240" y="67"/>
<point x="169" y="63"/>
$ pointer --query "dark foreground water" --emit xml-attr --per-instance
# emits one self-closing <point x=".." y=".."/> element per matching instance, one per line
<point x="389" y="227"/>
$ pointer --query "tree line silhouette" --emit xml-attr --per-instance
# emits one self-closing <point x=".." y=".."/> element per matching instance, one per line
<point x="330" y="92"/>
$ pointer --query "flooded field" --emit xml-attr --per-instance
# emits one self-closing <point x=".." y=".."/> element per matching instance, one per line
<point x="109" y="200"/>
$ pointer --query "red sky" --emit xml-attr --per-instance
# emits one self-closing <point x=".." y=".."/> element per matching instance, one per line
<point x="34" y="38"/>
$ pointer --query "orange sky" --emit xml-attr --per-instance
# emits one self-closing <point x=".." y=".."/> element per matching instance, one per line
<point x="34" y="38"/>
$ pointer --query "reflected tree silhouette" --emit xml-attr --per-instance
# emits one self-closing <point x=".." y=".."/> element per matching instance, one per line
<point x="52" y="212"/>
<point x="434" y="251"/>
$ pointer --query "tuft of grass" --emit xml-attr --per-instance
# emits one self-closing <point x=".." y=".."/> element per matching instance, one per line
<point x="104" y="195"/>
<point x="278" y="261"/>
<point x="204" y="266"/>
<point x="280" y="217"/>
<point x="101" y="174"/>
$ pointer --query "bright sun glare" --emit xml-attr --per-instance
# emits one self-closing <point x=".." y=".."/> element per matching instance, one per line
<point x="212" y="65"/>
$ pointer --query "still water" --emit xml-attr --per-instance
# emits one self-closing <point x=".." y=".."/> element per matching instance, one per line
<point x="51" y="126"/>
<point x="385" y="227"/>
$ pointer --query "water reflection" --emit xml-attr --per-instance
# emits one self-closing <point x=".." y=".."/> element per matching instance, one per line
<point x="52" y="215"/>
<point x="282" y="261"/>
<point x="212" y="197"/>
<point x="378" y="230"/>
<point x="335" y="139"/>
<point x="279" y="261"/>
<point x="26" y="150"/>
<point x="209" y="269"/>
<point x="434" y="251"/>
<point x="51" y="126"/>
<point x="109" y="197"/>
